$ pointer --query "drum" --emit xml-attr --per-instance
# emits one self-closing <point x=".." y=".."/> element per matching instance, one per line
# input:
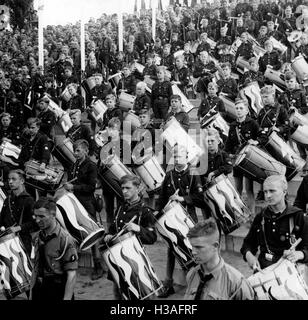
<point x="65" y="122"/>
<point x="235" y="45"/>
<point x="78" y="222"/>
<point x="229" y="209"/>
<point x="253" y="95"/>
<point x="65" y="95"/>
<point x="149" y="82"/>
<point x="97" y="111"/>
<point x="2" y="198"/>
<point x="300" y="66"/>
<point x="229" y="106"/>
<point x="275" y="76"/>
<point x="15" y="266"/>
<point x="115" y="79"/>
<point x="301" y="134"/>
<point x="194" y="46"/>
<point x="91" y="82"/>
<point x="131" y="268"/>
<point x="178" y="54"/>
<point x="54" y="107"/>
<point x="279" y="281"/>
<point x="151" y="172"/>
<point x="9" y="150"/>
<point x="138" y="66"/>
<point x="217" y="122"/>
<point x="278" y="45"/>
<point x="45" y="181"/>
<point x="134" y="120"/>
<point x="282" y="152"/>
<point x="258" y="51"/>
<point x="126" y="101"/>
<point x="64" y="152"/>
<point x="242" y="64"/>
<point x="187" y="105"/>
<point x="257" y="164"/>
<point x="298" y="118"/>
<point x="112" y="172"/>
<point x="173" y="224"/>
<point x="174" y="134"/>
<point x="101" y="138"/>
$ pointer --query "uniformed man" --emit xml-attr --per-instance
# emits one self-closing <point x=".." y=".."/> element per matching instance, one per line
<point x="253" y="74"/>
<point x="245" y="49"/>
<point x="227" y="85"/>
<point x="213" y="278"/>
<point x="76" y="101"/>
<point x="181" y="185"/>
<point x="127" y="83"/>
<point x="57" y="261"/>
<point x="80" y="131"/>
<point x="113" y="111"/>
<point x="180" y="74"/>
<point x="47" y="117"/>
<point x="17" y="211"/>
<point x="276" y="228"/>
<point x="133" y="206"/>
<point x="160" y="96"/>
<point x="270" y="58"/>
<point x="101" y="89"/>
<point x="8" y="132"/>
<point x="83" y="188"/>
<point x="242" y="131"/>
<point x="167" y="59"/>
<point x="142" y="101"/>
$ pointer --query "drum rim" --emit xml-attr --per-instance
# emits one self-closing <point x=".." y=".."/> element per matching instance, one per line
<point x="9" y="236"/>
<point x="121" y="238"/>
<point x="93" y="234"/>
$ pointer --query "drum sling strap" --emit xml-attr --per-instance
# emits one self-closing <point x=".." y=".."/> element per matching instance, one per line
<point x="12" y="214"/>
<point x="73" y="133"/>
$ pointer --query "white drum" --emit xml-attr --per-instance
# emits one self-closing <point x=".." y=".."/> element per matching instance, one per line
<point x="115" y="79"/>
<point x="216" y="122"/>
<point x="301" y="134"/>
<point x="126" y="101"/>
<point x="275" y="76"/>
<point x="229" y="106"/>
<point x="300" y="66"/>
<point x="91" y="82"/>
<point x="253" y="94"/>
<point x="278" y="45"/>
<point x="65" y="95"/>
<point x="187" y="105"/>
<point x="97" y="111"/>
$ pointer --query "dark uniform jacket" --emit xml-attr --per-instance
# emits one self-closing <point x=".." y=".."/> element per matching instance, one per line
<point x="278" y="233"/>
<point x="248" y="129"/>
<point x="18" y="210"/>
<point x="84" y="186"/>
<point x="48" y="120"/>
<point x="142" y="102"/>
<point x="82" y="132"/>
<point x="244" y="50"/>
<point x="76" y="102"/>
<point x="112" y="113"/>
<point x="150" y="70"/>
<point x="160" y="96"/>
<point x="270" y="116"/>
<point x="189" y="60"/>
<point x="128" y="84"/>
<point x="301" y="199"/>
<point x="190" y="188"/>
<point x="211" y="103"/>
<point x="271" y="59"/>
<point x="37" y="149"/>
<point x="181" y="75"/>
<point x="167" y="61"/>
<point x="206" y="74"/>
<point x="228" y="86"/>
<point x="296" y="97"/>
<point x="219" y="163"/>
<point x="145" y="219"/>
<point x="182" y="117"/>
<point x="101" y="91"/>
<point x="10" y="133"/>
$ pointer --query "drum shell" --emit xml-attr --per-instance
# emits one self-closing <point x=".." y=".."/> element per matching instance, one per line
<point x="64" y="152"/>
<point x="275" y="76"/>
<point x="300" y="66"/>
<point x="260" y="167"/>
<point x="9" y="150"/>
<point x="65" y="95"/>
<point x="282" y="152"/>
<point x="97" y="111"/>
<point x="229" y="106"/>
<point x="301" y="134"/>
<point x="217" y="122"/>
<point x="253" y="94"/>
<point x="65" y="122"/>
<point x="151" y="173"/>
<point x="115" y="79"/>
<point x="15" y="267"/>
<point x="186" y="104"/>
<point x="230" y="210"/>
<point x="242" y="64"/>
<point x="131" y="268"/>
<point x="173" y="224"/>
<point x="278" y="45"/>
<point x="126" y="101"/>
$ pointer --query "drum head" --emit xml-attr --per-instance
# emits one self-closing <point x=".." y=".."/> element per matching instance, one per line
<point x="92" y="239"/>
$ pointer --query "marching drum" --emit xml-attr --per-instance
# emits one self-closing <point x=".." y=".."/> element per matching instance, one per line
<point x="282" y="152"/>
<point x="300" y="66"/>
<point x="115" y="79"/>
<point x="173" y="224"/>
<point x="91" y="82"/>
<point x="65" y="122"/>
<point x="229" y="106"/>
<point x="235" y="45"/>
<point x="54" y="107"/>
<point x="252" y="93"/>
<point x="15" y="266"/>
<point x="126" y="101"/>
<point x="230" y="210"/>
<point x="65" y="95"/>
<point x="112" y="172"/>
<point x="138" y="66"/>
<point x="101" y="138"/>
<point x="77" y="221"/>
<point x="301" y="134"/>
<point x="280" y="281"/>
<point x="133" y="119"/>
<point x="187" y="105"/>
<point x="46" y="181"/>
<point x="257" y="164"/>
<point x="278" y="45"/>
<point x="174" y="134"/>
<point x="64" y="152"/>
<point x="194" y="46"/>
<point x="9" y="150"/>
<point x="130" y="267"/>
<point x="150" y="171"/>
<point x="242" y="64"/>
<point x="149" y="82"/>
<point x="217" y="122"/>
<point x="97" y="111"/>
<point x="212" y="43"/>
<point x="2" y="198"/>
<point x="275" y="76"/>
<point x="298" y="118"/>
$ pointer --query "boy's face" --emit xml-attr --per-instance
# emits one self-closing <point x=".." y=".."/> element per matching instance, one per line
<point x="226" y="71"/>
<point x="254" y="66"/>
<point x="269" y="47"/>
<point x="110" y="103"/>
<point x="126" y="72"/>
<point x="144" y="119"/>
<point x="149" y="61"/>
<point x="291" y="83"/>
<point x="139" y="91"/>
<point x="166" y="50"/>
<point x="211" y="90"/>
<point x="160" y="74"/>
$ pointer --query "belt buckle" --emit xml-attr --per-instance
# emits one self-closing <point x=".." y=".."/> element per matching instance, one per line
<point x="269" y="257"/>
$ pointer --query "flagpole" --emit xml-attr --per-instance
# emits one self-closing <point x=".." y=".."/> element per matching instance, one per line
<point x="120" y="23"/>
<point x="40" y="12"/>
<point x="154" y="6"/>
<point x="82" y="44"/>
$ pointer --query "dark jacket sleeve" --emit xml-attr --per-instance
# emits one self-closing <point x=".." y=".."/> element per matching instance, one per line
<point x="195" y="196"/>
<point x="43" y="148"/>
<point x="147" y="230"/>
<point x="301" y="231"/>
<point x="301" y="199"/>
<point x="28" y="224"/>
<point x="226" y="165"/>
<point x="89" y="187"/>
<point x="163" y="196"/>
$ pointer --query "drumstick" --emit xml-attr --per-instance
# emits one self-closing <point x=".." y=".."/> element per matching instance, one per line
<point x="124" y="228"/>
<point x="295" y="244"/>
<point x="62" y="185"/>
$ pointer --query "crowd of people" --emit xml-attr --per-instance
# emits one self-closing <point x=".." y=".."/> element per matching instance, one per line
<point x="245" y="60"/>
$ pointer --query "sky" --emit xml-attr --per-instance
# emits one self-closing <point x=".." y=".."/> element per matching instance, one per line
<point x="66" y="11"/>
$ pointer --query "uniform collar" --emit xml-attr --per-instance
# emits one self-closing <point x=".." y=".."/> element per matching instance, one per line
<point x="45" y="238"/>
